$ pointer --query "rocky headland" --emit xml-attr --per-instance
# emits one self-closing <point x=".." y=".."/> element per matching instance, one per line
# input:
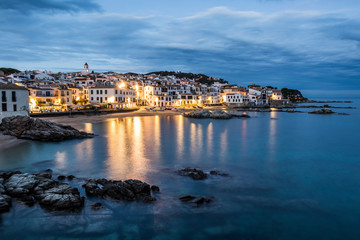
<point x="24" y="127"/>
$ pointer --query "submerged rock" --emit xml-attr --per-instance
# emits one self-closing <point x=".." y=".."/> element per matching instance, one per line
<point x="322" y="111"/>
<point x="128" y="190"/>
<point x="217" y="114"/>
<point x="96" y="206"/>
<point x="5" y="203"/>
<point x="218" y="173"/>
<point x="40" y="130"/>
<point x="195" y="200"/>
<point x="194" y="173"/>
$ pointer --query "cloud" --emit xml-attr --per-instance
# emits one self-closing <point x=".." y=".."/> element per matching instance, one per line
<point x="27" y="6"/>
<point x="308" y="50"/>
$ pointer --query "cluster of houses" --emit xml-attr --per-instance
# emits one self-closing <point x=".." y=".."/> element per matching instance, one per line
<point x="64" y="91"/>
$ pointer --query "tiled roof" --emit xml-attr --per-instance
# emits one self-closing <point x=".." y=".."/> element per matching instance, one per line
<point x="11" y="86"/>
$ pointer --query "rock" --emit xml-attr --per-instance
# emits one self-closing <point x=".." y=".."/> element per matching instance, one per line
<point x="61" y="177"/>
<point x="217" y="114"/>
<point x="5" y="203"/>
<point x="187" y="198"/>
<point x="218" y="173"/>
<point x="19" y="185"/>
<point x="70" y="177"/>
<point x="129" y="190"/>
<point x="46" y="174"/>
<point x="194" y="173"/>
<point x="40" y="130"/>
<point x="197" y="201"/>
<point x="322" y="111"/>
<point x="155" y="188"/>
<point x="49" y="193"/>
<point x="60" y="197"/>
<point x="96" y="206"/>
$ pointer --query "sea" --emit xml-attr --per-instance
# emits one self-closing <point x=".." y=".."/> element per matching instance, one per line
<point x="291" y="176"/>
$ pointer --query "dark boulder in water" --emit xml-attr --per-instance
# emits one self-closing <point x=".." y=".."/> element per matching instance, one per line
<point x="197" y="201"/>
<point x="217" y="114"/>
<point x="194" y="173"/>
<point x="128" y="190"/>
<point x="50" y="194"/>
<point x="24" y="127"/>
<point x="322" y="111"/>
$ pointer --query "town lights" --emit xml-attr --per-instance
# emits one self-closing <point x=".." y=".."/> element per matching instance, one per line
<point x="121" y="85"/>
<point x="111" y="100"/>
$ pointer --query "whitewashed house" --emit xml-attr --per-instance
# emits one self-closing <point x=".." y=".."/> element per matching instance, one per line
<point x="14" y="101"/>
<point x="112" y="96"/>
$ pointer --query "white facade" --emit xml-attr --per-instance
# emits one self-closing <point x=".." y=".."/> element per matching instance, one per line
<point x="117" y="98"/>
<point x="14" y="101"/>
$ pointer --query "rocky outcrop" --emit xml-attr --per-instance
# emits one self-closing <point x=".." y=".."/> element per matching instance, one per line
<point x="194" y="173"/>
<point x="52" y="195"/>
<point x="40" y="188"/>
<point x="217" y="114"/>
<point x="40" y="130"/>
<point x="322" y="111"/>
<point x="128" y="190"/>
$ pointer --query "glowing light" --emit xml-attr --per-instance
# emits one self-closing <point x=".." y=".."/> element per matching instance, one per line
<point x="77" y="98"/>
<point x="122" y="85"/>
<point x="111" y="99"/>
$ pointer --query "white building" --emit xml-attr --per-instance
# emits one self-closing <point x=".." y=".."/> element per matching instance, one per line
<point x="235" y="99"/>
<point x="112" y="96"/>
<point x="14" y="101"/>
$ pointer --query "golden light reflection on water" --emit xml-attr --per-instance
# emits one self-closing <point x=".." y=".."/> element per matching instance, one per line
<point x="209" y="138"/>
<point x="180" y="137"/>
<point x="244" y="135"/>
<point x="223" y="144"/>
<point x="272" y="134"/>
<point x="60" y="160"/>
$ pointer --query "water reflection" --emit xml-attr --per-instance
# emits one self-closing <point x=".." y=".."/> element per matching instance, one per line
<point x="180" y="137"/>
<point x="60" y="160"/>
<point x="210" y="132"/>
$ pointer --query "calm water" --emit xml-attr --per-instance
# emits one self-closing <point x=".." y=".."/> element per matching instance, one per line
<point x="293" y="176"/>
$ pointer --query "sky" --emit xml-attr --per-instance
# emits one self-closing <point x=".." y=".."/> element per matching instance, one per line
<point x="304" y="44"/>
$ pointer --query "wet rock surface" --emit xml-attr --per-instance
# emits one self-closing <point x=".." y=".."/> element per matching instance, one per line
<point x="196" y="201"/>
<point x="40" y="188"/>
<point x="322" y="111"/>
<point x="129" y="190"/>
<point x="217" y="114"/>
<point x="194" y="173"/>
<point x="24" y="127"/>
<point x="52" y="195"/>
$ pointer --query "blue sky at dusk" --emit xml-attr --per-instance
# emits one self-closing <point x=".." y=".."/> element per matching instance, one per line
<point x="306" y="44"/>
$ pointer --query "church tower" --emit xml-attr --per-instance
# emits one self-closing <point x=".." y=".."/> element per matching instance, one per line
<point x="86" y="68"/>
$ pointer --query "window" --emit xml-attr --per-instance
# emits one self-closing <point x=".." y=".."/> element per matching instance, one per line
<point x="67" y="93"/>
<point x="97" y="98"/>
<point x="92" y="91"/>
<point x="67" y="99"/>
<point x="115" y="91"/>
<point x="105" y="91"/>
<point x="97" y="91"/>
<point x="47" y="93"/>
<point x="92" y="98"/>
<point x="4" y="107"/>
<point x="100" y="91"/>
<point x="13" y="96"/>
<point x="105" y="98"/>
<point x="15" y="108"/>
<point x="3" y="96"/>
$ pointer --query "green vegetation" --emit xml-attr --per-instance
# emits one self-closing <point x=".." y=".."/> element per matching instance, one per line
<point x="200" y="78"/>
<point x="293" y="94"/>
<point x="8" y="71"/>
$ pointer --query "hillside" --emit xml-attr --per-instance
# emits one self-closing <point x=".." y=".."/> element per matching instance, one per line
<point x="200" y="78"/>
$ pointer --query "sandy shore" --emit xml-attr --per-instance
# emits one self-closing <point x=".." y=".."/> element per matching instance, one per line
<point x="9" y="141"/>
<point x="77" y="119"/>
